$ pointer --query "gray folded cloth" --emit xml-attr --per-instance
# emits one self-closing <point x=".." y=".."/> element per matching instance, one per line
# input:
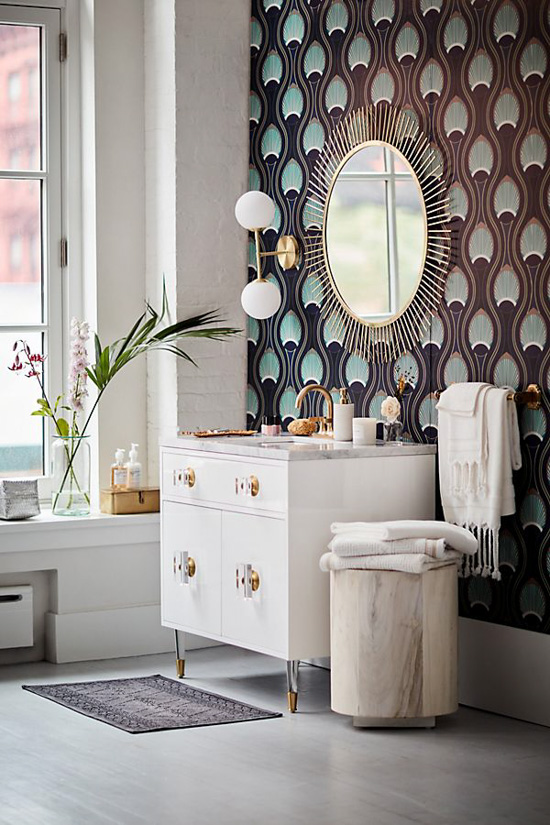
<point x="356" y="544"/>
<point x="403" y="563"/>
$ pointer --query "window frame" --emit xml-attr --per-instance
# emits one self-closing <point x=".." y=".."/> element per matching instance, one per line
<point x="51" y="174"/>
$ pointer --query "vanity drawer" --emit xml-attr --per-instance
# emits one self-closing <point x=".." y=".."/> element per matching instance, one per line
<point x="191" y="567"/>
<point x="254" y="485"/>
<point x="254" y="582"/>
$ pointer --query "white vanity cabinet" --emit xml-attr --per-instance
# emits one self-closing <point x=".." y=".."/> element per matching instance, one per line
<point x="245" y="521"/>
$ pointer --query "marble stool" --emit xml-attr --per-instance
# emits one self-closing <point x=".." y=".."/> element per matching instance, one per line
<point x="394" y="646"/>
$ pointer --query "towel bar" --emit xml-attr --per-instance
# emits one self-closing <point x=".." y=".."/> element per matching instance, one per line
<point x="531" y="397"/>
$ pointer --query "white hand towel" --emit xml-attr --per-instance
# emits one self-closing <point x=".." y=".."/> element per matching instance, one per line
<point x="403" y="563"/>
<point x="456" y="537"/>
<point x="355" y="544"/>
<point x="476" y="484"/>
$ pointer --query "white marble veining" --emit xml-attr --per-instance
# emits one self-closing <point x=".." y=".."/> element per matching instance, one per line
<point x="295" y="448"/>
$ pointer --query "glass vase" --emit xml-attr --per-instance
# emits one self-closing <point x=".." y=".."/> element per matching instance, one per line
<point x="71" y="476"/>
<point x="393" y="431"/>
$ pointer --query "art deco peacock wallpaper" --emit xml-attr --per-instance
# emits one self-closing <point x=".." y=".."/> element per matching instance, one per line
<point x="474" y="74"/>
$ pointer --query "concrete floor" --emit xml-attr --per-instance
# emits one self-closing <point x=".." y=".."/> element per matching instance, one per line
<point x="60" y="768"/>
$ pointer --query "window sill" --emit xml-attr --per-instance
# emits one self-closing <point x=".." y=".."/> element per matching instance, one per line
<point x="47" y="531"/>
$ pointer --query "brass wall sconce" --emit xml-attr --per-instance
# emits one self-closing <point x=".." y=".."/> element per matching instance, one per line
<point x="254" y="211"/>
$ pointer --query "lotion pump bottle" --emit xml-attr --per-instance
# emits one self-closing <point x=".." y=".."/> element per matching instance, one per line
<point x="118" y="471"/>
<point x="133" y="469"/>
<point x="343" y="418"/>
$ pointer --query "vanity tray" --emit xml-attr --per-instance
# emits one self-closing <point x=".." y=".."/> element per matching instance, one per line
<point x="216" y="433"/>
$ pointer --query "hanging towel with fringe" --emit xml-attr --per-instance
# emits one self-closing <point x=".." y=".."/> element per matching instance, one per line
<point x="479" y="447"/>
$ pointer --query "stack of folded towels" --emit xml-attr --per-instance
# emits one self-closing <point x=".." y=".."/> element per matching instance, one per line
<point x="406" y="546"/>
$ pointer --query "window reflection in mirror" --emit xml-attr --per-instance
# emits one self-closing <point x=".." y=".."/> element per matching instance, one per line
<point x="376" y="233"/>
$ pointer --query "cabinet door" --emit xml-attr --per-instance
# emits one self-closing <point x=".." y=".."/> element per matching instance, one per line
<point x="191" y="559"/>
<point x="255" y="554"/>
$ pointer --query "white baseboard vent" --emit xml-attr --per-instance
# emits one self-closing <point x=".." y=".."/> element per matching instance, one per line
<point x="16" y="622"/>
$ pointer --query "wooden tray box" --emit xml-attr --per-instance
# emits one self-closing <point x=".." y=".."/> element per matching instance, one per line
<point x="124" y="502"/>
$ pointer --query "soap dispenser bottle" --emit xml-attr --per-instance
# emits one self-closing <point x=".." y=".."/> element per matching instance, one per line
<point x="133" y="469"/>
<point x="118" y="471"/>
<point x="343" y="417"/>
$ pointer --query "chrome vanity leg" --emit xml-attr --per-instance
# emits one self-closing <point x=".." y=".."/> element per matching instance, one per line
<point x="180" y="663"/>
<point x="292" y="683"/>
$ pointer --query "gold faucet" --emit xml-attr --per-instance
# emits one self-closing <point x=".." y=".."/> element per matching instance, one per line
<point x="326" y="422"/>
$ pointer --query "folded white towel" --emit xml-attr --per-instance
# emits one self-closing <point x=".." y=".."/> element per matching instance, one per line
<point x="356" y="544"/>
<point x="477" y="454"/>
<point x="403" y="563"/>
<point x="456" y="537"/>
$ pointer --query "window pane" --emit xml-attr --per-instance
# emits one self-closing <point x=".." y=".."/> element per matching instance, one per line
<point x="411" y="237"/>
<point x="369" y="159"/>
<point x="399" y="165"/>
<point x="20" y="434"/>
<point x="357" y="245"/>
<point x="19" y="97"/>
<point x="20" y="254"/>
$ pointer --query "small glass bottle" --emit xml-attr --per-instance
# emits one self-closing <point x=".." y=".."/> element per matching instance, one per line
<point x="118" y="471"/>
<point x="271" y="425"/>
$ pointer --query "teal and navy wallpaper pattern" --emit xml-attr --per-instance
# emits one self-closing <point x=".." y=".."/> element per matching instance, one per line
<point x="475" y="75"/>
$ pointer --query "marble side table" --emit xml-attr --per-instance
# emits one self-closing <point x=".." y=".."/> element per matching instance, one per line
<point x="394" y="646"/>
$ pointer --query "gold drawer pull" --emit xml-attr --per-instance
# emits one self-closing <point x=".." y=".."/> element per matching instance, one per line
<point x="191" y="567"/>
<point x="247" y="579"/>
<point x="189" y="477"/>
<point x="248" y="486"/>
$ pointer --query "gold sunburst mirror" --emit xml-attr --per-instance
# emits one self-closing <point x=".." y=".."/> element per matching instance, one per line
<point x="378" y="243"/>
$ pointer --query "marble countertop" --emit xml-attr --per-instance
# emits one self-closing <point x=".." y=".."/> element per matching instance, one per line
<point x="288" y="448"/>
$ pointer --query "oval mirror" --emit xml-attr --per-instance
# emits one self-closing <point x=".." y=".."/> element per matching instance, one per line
<point x="376" y="232"/>
<point x="378" y="243"/>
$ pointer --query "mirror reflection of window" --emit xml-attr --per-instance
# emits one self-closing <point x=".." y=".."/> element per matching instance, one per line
<point x="376" y="233"/>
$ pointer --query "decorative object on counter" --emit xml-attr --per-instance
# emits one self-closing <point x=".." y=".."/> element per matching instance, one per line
<point x="133" y="469"/>
<point x="216" y="433"/>
<point x="118" y="471"/>
<point x="479" y="448"/>
<point x="148" y="703"/>
<point x="123" y="502"/>
<point x="343" y="417"/>
<point x="378" y="318"/>
<point x="18" y="499"/>
<point x="364" y="431"/>
<point x="71" y="491"/>
<point x="71" y="475"/>
<point x="271" y="425"/>
<point x="391" y="410"/>
<point x="255" y="211"/>
<point x="302" y="426"/>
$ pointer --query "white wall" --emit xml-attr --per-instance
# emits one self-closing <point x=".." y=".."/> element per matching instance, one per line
<point x="119" y="179"/>
<point x="160" y="205"/>
<point x="197" y="91"/>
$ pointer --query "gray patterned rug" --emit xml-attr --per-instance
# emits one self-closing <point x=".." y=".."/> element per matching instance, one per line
<point x="149" y="703"/>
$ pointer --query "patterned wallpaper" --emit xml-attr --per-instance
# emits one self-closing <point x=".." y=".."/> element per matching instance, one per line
<point x="475" y="75"/>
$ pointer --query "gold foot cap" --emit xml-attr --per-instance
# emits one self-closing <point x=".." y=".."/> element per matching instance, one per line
<point x="180" y="668"/>
<point x="292" y="701"/>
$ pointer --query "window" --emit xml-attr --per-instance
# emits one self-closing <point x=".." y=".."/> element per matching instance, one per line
<point x="375" y="232"/>
<point x="30" y="228"/>
<point x="14" y="87"/>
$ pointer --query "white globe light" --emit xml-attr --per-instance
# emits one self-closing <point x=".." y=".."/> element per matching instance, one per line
<point x="260" y="299"/>
<point x="255" y="210"/>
